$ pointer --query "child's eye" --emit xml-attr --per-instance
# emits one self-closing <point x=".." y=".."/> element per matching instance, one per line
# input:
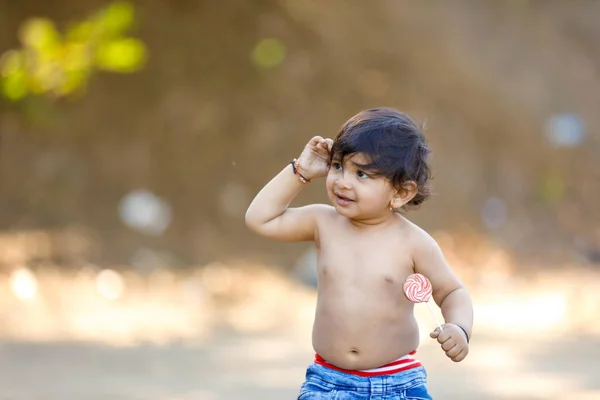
<point x="337" y="165"/>
<point x="362" y="175"/>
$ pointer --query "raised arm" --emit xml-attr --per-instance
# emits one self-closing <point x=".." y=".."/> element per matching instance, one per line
<point x="269" y="214"/>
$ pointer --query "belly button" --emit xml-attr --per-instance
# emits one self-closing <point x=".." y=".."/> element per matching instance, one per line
<point x="354" y="352"/>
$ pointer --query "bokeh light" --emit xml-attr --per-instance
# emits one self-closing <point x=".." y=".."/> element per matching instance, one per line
<point x="143" y="211"/>
<point x="110" y="284"/>
<point x="23" y="283"/>
<point x="494" y="213"/>
<point x="268" y="53"/>
<point x="565" y="130"/>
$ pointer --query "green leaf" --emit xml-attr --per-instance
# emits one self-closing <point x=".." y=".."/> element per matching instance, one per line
<point x="117" y="18"/>
<point x="14" y="86"/>
<point x="76" y="57"/>
<point x="552" y="188"/>
<point x="268" y="53"/>
<point x="123" y="55"/>
<point x="40" y="34"/>
<point x="73" y="81"/>
<point x="11" y="62"/>
<point x="81" y="32"/>
<point x="52" y="64"/>
<point x="46" y="77"/>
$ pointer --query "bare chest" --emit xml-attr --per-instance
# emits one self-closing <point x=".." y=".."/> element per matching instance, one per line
<point x="374" y="263"/>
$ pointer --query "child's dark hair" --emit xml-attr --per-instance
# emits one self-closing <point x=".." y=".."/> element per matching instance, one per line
<point x="394" y="144"/>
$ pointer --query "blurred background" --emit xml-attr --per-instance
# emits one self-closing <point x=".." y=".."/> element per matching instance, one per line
<point x="133" y="136"/>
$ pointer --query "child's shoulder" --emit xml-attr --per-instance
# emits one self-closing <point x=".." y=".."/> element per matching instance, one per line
<point x="418" y="237"/>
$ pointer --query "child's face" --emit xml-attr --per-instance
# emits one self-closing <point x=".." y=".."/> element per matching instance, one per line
<point x="358" y="193"/>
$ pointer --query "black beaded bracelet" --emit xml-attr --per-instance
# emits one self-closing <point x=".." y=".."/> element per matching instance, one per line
<point x="303" y="179"/>
<point x="466" y="334"/>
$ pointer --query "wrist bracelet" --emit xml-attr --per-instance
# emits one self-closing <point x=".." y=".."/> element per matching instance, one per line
<point x="466" y="334"/>
<point x="295" y="168"/>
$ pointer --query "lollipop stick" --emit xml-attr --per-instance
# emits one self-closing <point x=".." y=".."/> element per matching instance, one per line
<point x="434" y="317"/>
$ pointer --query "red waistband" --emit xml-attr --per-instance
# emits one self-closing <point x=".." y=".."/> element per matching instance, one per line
<point x="403" y="363"/>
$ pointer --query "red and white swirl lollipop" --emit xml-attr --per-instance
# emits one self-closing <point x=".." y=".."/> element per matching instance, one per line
<point x="417" y="289"/>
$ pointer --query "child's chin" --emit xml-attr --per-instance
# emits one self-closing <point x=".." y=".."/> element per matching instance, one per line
<point x="358" y="216"/>
<point x="344" y="211"/>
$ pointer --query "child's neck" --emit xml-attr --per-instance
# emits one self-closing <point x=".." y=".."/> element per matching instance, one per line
<point x="376" y="222"/>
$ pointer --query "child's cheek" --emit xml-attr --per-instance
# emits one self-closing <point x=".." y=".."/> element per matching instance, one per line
<point x="329" y="180"/>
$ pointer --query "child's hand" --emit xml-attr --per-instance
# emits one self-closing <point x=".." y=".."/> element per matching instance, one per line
<point x="453" y="341"/>
<point x="314" y="160"/>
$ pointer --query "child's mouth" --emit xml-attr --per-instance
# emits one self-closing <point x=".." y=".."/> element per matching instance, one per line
<point x="343" y="200"/>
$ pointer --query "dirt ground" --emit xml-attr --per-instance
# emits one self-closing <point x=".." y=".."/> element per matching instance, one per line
<point x="165" y="340"/>
<point x="233" y="366"/>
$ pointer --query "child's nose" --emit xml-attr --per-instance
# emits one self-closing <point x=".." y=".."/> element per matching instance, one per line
<point x="343" y="183"/>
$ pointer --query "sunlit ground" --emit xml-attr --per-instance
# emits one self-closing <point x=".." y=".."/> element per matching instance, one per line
<point x="228" y="332"/>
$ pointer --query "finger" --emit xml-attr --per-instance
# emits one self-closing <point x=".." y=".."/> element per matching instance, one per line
<point x="443" y="336"/>
<point x="323" y="146"/>
<point x="322" y="151"/>
<point x="448" y="344"/>
<point x="460" y="356"/>
<point x="329" y="143"/>
<point x="315" y="141"/>
<point x="436" y="332"/>
<point x="454" y="351"/>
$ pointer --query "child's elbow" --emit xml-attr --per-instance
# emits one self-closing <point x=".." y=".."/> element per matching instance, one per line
<point x="253" y="221"/>
<point x="249" y="218"/>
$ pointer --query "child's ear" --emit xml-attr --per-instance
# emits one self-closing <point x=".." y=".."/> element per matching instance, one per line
<point x="405" y="194"/>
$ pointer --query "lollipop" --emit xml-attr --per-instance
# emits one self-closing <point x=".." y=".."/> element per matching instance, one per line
<point x="417" y="289"/>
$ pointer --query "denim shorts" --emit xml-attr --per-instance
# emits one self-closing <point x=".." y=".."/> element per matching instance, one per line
<point x="324" y="383"/>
